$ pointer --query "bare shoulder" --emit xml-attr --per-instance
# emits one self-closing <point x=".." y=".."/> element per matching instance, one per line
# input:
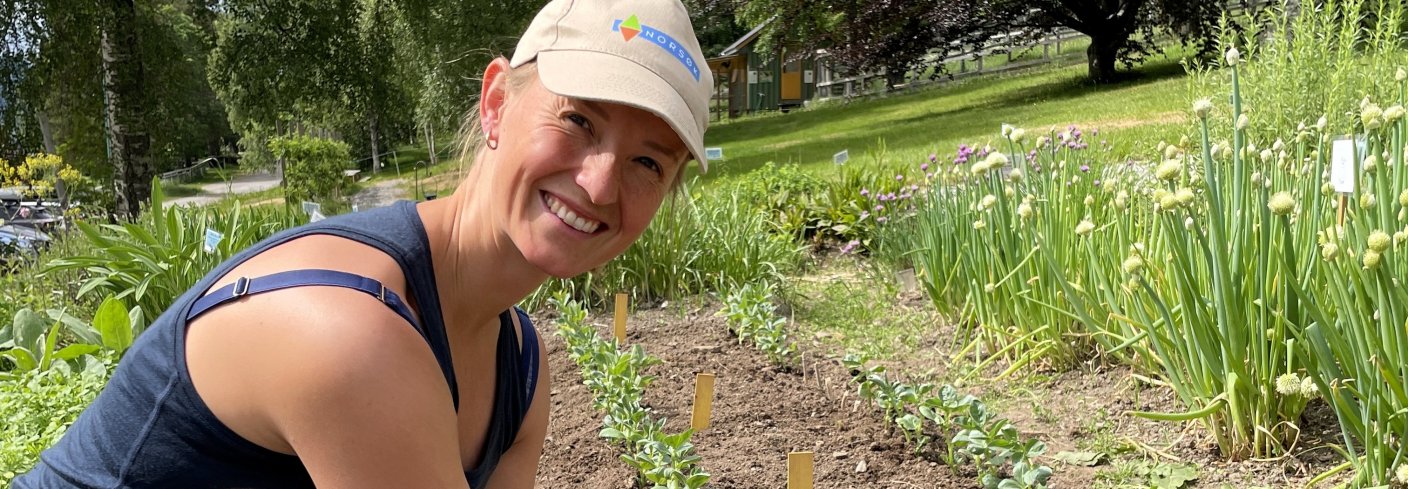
<point x="307" y="369"/>
<point x="335" y="377"/>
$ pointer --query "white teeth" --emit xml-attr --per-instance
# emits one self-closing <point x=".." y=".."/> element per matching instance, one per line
<point x="571" y="218"/>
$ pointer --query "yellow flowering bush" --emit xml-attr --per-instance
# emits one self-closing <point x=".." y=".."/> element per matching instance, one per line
<point x="39" y="173"/>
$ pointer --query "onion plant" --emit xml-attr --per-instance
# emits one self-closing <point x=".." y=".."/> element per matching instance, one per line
<point x="1228" y="269"/>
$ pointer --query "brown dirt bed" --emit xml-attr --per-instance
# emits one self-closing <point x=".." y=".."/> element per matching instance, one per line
<point x="762" y="412"/>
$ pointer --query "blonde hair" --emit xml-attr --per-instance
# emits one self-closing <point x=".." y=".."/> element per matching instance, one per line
<point x="471" y="141"/>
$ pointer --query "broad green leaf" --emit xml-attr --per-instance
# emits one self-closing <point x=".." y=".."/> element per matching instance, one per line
<point x="83" y="330"/>
<point x="24" y="360"/>
<point x="113" y="324"/>
<point x="71" y="352"/>
<point x="137" y="319"/>
<point x="28" y="327"/>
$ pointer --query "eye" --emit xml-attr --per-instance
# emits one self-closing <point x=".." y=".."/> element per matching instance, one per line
<point x="579" y="120"/>
<point x="650" y="163"/>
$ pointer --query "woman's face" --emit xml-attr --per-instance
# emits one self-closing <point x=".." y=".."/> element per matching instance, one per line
<point x="576" y="181"/>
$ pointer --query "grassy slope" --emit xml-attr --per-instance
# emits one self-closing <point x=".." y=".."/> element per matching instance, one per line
<point x="1148" y="106"/>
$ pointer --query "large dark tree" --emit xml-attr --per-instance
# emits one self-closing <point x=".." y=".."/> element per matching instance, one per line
<point x="908" y="35"/>
<point x="898" y="36"/>
<point x="1119" y="30"/>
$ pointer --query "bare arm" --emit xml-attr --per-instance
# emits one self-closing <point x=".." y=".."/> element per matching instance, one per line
<point x="355" y="393"/>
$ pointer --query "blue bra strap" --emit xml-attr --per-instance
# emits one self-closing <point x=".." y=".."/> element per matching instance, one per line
<point x="299" y="278"/>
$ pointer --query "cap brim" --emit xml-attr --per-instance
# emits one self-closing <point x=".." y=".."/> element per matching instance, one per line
<point x="603" y="77"/>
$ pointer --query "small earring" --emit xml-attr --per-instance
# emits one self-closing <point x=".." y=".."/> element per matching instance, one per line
<point x="492" y="143"/>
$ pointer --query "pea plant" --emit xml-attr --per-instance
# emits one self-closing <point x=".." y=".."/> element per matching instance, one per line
<point x="617" y="381"/>
<point x="752" y="317"/>
<point x="990" y="443"/>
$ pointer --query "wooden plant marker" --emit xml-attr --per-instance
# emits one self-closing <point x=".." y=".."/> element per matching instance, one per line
<point x="799" y="470"/>
<point x="622" y="304"/>
<point x="703" y="401"/>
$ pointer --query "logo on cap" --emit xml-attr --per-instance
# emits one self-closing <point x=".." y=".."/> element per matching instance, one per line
<point x="631" y="28"/>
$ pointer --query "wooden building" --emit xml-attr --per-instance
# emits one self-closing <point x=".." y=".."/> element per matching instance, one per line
<point x="747" y="81"/>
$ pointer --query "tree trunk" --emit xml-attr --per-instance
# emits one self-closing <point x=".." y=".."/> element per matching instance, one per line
<point x="1102" y="54"/>
<point x="128" y="142"/>
<point x="47" y="131"/>
<point x="430" y="143"/>
<point x="376" y="156"/>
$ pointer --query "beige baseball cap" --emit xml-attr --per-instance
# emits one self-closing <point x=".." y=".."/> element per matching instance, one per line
<point x="641" y="53"/>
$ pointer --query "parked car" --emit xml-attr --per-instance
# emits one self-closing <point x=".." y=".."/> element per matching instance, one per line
<point x="22" y="240"/>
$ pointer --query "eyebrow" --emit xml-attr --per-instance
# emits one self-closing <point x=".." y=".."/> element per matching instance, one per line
<point x="596" y="110"/>
<point x="595" y="107"/>
<point x="662" y="149"/>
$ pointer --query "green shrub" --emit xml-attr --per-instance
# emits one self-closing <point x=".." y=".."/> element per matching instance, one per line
<point x="37" y="407"/>
<point x="312" y="168"/>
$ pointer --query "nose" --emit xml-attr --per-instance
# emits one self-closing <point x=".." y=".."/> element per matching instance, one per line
<point x="600" y="177"/>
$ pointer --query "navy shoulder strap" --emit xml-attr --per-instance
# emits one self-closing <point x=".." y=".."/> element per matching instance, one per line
<point x="529" y="357"/>
<point x="300" y="278"/>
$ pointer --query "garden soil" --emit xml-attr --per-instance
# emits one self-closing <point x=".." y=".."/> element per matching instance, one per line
<point x="762" y="412"/>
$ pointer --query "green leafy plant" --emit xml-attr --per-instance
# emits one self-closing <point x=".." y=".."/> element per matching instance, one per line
<point x="1003" y="457"/>
<point x="752" y="318"/>
<point x="38" y="406"/>
<point x="156" y="259"/>
<point x="617" y="382"/>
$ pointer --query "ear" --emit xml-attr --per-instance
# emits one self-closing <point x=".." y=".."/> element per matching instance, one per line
<point x="493" y="96"/>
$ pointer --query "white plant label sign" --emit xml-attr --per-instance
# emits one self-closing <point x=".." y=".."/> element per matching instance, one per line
<point x="311" y="208"/>
<point x="212" y="240"/>
<point x="842" y="157"/>
<point x="713" y="154"/>
<point x="316" y="216"/>
<point x="1342" y="153"/>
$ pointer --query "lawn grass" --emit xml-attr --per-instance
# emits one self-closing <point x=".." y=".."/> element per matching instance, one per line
<point x="1148" y="105"/>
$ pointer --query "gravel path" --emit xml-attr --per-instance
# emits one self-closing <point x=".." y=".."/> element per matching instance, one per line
<point x="242" y="184"/>
<point x="380" y="194"/>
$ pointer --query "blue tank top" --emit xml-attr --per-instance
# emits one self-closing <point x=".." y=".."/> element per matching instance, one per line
<point x="149" y="427"/>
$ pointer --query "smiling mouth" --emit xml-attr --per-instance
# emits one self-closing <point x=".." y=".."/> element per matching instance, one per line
<point x="570" y="218"/>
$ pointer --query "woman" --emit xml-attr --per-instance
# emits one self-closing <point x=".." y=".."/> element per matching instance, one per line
<point x="293" y="365"/>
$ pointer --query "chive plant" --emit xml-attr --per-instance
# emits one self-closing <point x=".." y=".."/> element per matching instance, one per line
<point x="1231" y="269"/>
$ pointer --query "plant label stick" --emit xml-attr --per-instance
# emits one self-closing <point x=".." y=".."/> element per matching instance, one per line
<point x="703" y="401"/>
<point x="842" y="157"/>
<point x="620" y="329"/>
<point x="906" y="279"/>
<point x="799" y="470"/>
<point x="212" y="239"/>
<point x="713" y="154"/>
